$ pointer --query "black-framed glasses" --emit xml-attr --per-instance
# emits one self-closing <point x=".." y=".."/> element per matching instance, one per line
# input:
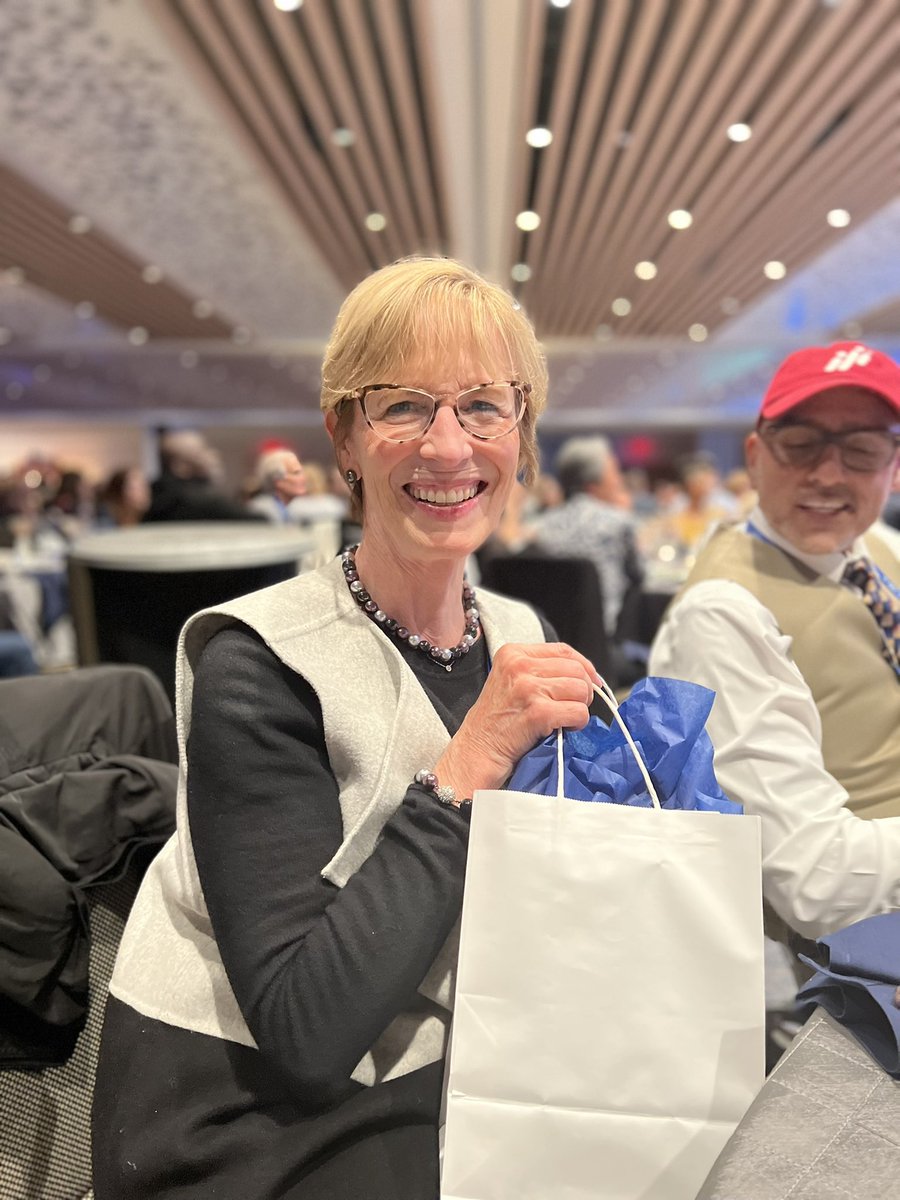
<point x="402" y="414"/>
<point x="800" y="444"/>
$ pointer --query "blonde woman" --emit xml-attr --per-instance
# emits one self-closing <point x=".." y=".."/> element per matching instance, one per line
<point x="278" y="1017"/>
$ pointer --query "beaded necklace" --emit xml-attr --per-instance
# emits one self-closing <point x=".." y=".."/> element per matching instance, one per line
<point x="444" y="657"/>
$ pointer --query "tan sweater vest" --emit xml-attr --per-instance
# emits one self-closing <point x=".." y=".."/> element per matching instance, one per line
<point x="836" y="645"/>
<point x="380" y="728"/>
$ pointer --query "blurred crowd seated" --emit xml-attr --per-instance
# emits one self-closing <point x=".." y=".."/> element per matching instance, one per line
<point x="46" y="506"/>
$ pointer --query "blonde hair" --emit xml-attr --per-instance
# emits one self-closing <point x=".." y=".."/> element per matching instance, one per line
<point x="419" y="309"/>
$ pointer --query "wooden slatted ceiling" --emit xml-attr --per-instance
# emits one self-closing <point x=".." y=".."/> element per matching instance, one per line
<point x="820" y="87"/>
<point x="36" y="238"/>
<point x="293" y="82"/>
<point x="637" y="94"/>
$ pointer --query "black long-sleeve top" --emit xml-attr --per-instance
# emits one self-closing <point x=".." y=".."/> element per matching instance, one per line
<point x="318" y="971"/>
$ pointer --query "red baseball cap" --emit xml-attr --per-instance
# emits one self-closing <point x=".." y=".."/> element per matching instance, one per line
<point x="818" y="369"/>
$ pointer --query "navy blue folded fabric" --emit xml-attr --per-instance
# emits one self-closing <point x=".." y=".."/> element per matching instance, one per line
<point x="856" y="981"/>
<point x="666" y="718"/>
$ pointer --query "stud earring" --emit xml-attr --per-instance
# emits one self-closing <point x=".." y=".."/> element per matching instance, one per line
<point x="352" y="478"/>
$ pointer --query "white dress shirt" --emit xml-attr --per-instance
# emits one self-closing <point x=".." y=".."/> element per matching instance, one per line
<point x="823" y="867"/>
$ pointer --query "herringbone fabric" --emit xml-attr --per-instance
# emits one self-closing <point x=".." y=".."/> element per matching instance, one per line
<point x="883" y="601"/>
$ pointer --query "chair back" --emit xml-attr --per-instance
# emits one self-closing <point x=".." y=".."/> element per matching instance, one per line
<point x="566" y="591"/>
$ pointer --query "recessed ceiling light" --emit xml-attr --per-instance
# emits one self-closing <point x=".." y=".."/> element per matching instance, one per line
<point x="79" y="223"/>
<point x="138" y="335"/>
<point x="528" y="220"/>
<point x="838" y="218"/>
<point x="288" y="5"/>
<point x="645" y="270"/>
<point x="621" y="307"/>
<point x="202" y="309"/>
<point x="774" y="269"/>
<point x="343" y="137"/>
<point x="521" y="272"/>
<point x="698" y="332"/>
<point x="151" y="273"/>
<point x="739" y="132"/>
<point x="539" y="137"/>
<point x="375" y="222"/>
<point x="560" y="3"/>
<point x="680" y="218"/>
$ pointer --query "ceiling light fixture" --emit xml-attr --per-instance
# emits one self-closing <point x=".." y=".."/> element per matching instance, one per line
<point x="138" y="336"/>
<point x="645" y="270"/>
<point x="539" y="137"/>
<point x="521" y="272"/>
<point x="739" y="132"/>
<point x="375" y="222"/>
<point x="560" y="3"/>
<point x="343" y="137"/>
<point x="528" y="220"/>
<point x="774" y="269"/>
<point x="680" y="218"/>
<point x="79" y="223"/>
<point x="838" y="218"/>
<point x="288" y="5"/>
<point x="151" y="273"/>
<point x="698" y="332"/>
<point x="621" y="307"/>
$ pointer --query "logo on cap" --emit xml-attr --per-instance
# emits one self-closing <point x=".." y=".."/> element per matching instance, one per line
<point x="845" y="360"/>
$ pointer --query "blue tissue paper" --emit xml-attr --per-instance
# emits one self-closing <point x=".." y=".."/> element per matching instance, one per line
<point x="666" y="718"/>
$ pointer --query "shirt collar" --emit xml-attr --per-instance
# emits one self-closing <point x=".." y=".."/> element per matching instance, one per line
<point x="830" y="565"/>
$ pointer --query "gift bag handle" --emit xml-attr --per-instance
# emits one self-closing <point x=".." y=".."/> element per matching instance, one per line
<point x="605" y="693"/>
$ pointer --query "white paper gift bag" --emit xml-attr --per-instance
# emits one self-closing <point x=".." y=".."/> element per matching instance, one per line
<point x="608" y="1032"/>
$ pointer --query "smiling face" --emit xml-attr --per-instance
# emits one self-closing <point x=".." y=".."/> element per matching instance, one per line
<point x="823" y="509"/>
<point x="441" y="495"/>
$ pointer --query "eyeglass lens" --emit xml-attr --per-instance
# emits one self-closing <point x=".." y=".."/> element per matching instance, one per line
<point x="401" y="414"/>
<point x="799" y="445"/>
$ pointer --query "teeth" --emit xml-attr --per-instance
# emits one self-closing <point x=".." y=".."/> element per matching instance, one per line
<point x="439" y="496"/>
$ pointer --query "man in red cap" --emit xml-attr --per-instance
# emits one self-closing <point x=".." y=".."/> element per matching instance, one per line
<point x="793" y="619"/>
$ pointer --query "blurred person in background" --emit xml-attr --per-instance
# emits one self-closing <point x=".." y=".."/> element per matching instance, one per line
<point x="792" y="618"/>
<point x="705" y="502"/>
<point x="281" y="480"/>
<point x="740" y="487"/>
<point x="188" y="487"/>
<point x="124" y="498"/>
<point x="594" y="521"/>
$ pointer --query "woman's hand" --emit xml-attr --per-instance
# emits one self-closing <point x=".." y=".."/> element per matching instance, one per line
<point x="530" y="691"/>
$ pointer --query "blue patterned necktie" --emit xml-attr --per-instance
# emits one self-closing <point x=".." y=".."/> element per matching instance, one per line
<point x="883" y="601"/>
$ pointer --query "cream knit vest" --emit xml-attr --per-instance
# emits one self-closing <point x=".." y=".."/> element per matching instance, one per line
<point x="380" y="728"/>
